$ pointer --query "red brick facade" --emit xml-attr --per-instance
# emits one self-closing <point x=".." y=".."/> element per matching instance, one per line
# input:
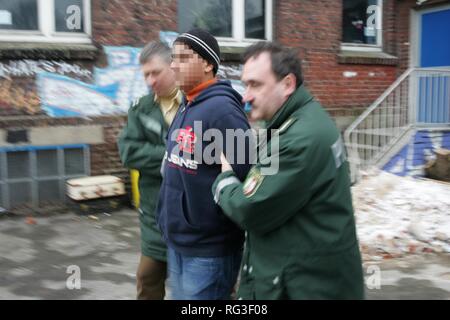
<point x="131" y="22"/>
<point x="311" y="26"/>
<point x="314" y="27"/>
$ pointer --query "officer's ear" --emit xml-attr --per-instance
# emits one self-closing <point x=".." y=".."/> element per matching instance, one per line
<point x="289" y="84"/>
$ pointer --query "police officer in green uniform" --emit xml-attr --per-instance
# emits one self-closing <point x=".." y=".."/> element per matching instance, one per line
<point x="142" y="147"/>
<point x="295" y="203"/>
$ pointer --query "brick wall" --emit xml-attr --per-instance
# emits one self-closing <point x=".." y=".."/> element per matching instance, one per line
<point x="105" y="158"/>
<point x="315" y="29"/>
<point x="311" y="26"/>
<point x="18" y="96"/>
<point x="132" y="22"/>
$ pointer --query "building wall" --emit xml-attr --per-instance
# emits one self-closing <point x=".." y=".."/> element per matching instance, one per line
<point x="314" y="28"/>
<point x="311" y="26"/>
<point x="344" y="85"/>
<point x="132" y="22"/>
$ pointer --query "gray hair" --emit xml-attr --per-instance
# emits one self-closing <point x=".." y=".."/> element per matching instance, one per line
<point x="155" y="48"/>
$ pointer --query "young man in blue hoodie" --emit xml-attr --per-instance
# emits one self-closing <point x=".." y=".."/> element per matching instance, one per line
<point x="204" y="246"/>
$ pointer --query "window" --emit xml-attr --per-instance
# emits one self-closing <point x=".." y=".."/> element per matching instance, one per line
<point x="214" y="16"/>
<point x="45" y="21"/>
<point x="237" y="21"/>
<point x="37" y="175"/>
<point x="19" y="15"/>
<point x="254" y="19"/>
<point x="362" y="24"/>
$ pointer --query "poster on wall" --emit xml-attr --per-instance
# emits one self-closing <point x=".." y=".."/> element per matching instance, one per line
<point x="113" y="89"/>
<point x="62" y="96"/>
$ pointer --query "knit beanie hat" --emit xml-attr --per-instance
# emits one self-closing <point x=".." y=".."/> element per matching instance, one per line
<point x="204" y="44"/>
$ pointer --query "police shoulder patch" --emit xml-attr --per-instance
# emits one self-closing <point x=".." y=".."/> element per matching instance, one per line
<point x="252" y="182"/>
<point x="135" y="102"/>
<point x="286" y="125"/>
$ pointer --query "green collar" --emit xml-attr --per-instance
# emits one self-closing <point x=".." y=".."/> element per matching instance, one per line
<point x="298" y="99"/>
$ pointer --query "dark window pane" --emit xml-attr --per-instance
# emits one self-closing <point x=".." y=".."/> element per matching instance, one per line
<point x="48" y="191"/>
<point x="74" y="162"/>
<point x="18" y="165"/>
<point x="254" y="19"/>
<point x="47" y="163"/>
<point x="2" y="202"/>
<point x="18" y="15"/>
<point x="2" y="166"/>
<point x="212" y="15"/>
<point x="69" y="16"/>
<point x="355" y="18"/>
<point x="19" y="193"/>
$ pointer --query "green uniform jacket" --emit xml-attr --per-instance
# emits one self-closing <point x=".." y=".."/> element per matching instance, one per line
<point x="301" y="240"/>
<point x="142" y="147"/>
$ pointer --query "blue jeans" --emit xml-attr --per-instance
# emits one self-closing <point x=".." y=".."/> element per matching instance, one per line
<point x="202" y="278"/>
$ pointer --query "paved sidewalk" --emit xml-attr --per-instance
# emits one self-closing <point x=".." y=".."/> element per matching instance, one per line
<point x="34" y="260"/>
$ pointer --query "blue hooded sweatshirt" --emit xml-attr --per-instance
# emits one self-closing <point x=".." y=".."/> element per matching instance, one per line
<point x="190" y="221"/>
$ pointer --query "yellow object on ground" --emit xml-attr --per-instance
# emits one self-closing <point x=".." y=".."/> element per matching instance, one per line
<point x="135" y="187"/>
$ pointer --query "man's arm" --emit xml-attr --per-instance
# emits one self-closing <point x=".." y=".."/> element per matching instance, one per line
<point x="235" y="126"/>
<point x="136" y="152"/>
<point x="264" y="202"/>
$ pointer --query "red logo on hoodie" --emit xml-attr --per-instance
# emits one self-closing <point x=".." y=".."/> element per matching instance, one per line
<point x="186" y="140"/>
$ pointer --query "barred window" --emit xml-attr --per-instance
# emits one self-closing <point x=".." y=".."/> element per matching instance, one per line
<point x="36" y="175"/>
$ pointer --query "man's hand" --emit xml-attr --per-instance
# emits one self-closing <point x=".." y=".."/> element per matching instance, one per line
<point x="225" y="164"/>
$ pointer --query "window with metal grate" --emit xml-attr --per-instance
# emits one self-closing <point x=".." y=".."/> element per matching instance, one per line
<point x="36" y="176"/>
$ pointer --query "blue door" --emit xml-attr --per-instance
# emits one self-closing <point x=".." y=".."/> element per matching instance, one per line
<point x="435" y="47"/>
<point x="434" y="92"/>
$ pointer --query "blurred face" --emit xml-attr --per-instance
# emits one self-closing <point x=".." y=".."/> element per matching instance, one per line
<point x="159" y="76"/>
<point x="190" y="69"/>
<point x="263" y="90"/>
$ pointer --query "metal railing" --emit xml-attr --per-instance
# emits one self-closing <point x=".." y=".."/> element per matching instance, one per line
<point x="418" y="98"/>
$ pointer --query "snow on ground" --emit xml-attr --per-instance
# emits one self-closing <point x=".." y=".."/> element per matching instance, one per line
<point x="399" y="215"/>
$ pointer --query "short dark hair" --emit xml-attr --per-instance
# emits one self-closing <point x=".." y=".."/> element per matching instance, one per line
<point x="284" y="60"/>
<point x="155" y="48"/>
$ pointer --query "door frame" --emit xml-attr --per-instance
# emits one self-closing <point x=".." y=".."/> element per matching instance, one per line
<point x="416" y="34"/>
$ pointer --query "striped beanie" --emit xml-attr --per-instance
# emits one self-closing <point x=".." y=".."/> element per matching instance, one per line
<point x="204" y="44"/>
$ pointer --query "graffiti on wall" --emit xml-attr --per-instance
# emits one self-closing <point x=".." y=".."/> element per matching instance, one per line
<point x="112" y="91"/>
<point x="30" y="68"/>
<point x="411" y="159"/>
